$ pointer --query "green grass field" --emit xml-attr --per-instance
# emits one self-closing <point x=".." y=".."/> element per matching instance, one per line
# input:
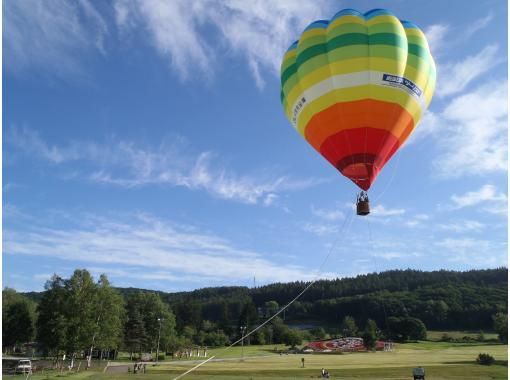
<point x="441" y="361"/>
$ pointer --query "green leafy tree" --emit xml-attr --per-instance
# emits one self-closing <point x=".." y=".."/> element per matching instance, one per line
<point x="318" y="333"/>
<point x="135" y="336"/>
<point x="18" y="323"/>
<point x="80" y="308"/>
<point x="109" y="316"/>
<point x="501" y="326"/>
<point x="51" y="320"/>
<point x="370" y="334"/>
<point x="292" y="337"/>
<point x="270" y="308"/>
<point x="406" y="328"/>
<point x="349" y="327"/>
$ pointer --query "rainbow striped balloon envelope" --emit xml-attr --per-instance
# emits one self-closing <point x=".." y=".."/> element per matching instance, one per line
<point x="356" y="86"/>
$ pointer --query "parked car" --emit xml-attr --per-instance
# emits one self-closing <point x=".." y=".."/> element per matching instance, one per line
<point x="24" y="366"/>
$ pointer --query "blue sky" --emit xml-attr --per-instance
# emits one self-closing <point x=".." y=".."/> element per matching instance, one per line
<point x="146" y="140"/>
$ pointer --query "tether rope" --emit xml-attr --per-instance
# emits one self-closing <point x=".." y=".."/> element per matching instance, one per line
<point x="347" y="221"/>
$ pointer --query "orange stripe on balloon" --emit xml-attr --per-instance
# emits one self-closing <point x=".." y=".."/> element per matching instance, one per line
<point x="371" y="113"/>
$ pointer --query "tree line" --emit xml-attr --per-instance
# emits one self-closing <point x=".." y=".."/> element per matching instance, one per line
<point x="79" y="315"/>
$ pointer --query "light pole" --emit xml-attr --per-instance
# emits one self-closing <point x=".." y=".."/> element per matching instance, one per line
<point x="243" y="330"/>
<point x="159" y="337"/>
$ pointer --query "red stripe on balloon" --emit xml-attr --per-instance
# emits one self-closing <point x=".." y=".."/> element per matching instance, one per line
<point x="360" y="154"/>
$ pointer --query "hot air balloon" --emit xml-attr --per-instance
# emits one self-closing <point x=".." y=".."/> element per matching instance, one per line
<point x="355" y="87"/>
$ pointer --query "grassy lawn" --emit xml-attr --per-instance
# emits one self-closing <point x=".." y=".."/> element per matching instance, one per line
<point x="441" y="361"/>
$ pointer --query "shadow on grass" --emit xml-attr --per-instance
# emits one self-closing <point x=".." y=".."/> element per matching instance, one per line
<point x="503" y="363"/>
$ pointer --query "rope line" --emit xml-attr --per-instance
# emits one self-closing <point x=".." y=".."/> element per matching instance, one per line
<point x="371" y="242"/>
<point x="399" y="154"/>
<point x="336" y="241"/>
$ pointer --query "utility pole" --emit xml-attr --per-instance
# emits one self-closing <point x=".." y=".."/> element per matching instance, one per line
<point x="243" y="330"/>
<point x="159" y="337"/>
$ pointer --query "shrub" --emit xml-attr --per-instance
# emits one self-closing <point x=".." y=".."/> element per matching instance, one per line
<point x="485" y="359"/>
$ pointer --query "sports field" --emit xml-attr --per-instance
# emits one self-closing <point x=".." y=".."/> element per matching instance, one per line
<point x="440" y="360"/>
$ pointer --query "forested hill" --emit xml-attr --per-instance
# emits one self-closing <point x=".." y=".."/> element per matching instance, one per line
<point x="441" y="299"/>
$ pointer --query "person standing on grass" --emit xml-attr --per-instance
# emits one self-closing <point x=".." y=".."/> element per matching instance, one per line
<point x="302" y="362"/>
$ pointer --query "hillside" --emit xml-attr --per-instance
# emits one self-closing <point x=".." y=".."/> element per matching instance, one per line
<point x="441" y="299"/>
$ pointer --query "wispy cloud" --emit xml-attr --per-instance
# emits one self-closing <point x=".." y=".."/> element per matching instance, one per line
<point x="443" y="35"/>
<point x="462" y="226"/>
<point x="330" y="214"/>
<point x="397" y="255"/>
<point x="131" y="165"/>
<point x="165" y="249"/>
<point x="49" y="35"/>
<point x="487" y="194"/>
<point x="320" y="229"/>
<point x="417" y="220"/>
<point x="436" y="35"/>
<point x="471" y="133"/>
<point x="474" y="252"/>
<point x="189" y="34"/>
<point x="381" y="211"/>
<point x="454" y="77"/>
<point x="477" y="25"/>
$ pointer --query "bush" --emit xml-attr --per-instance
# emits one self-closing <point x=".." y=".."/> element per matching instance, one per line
<point x="446" y="338"/>
<point x="485" y="359"/>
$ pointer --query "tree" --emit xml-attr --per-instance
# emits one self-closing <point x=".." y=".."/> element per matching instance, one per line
<point x="318" y="333"/>
<point x="51" y="320"/>
<point x="278" y="330"/>
<point x="135" y="336"/>
<point x="157" y="320"/>
<point x="18" y="323"/>
<point x="270" y="308"/>
<point x="76" y="314"/>
<point x="109" y="315"/>
<point x="248" y="319"/>
<point x="501" y="326"/>
<point x="292" y="337"/>
<point x="349" y="327"/>
<point x="406" y="328"/>
<point x="413" y="329"/>
<point x="370" y="334"/>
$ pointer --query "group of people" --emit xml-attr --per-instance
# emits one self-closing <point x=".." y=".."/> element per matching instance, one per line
<point x="139" y="367"/>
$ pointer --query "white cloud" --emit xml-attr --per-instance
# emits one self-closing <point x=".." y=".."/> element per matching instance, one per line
<point x="194" y="35"/>
<point x="436" y="35"/>
<point x="417" y="220"/>
<point x="381" y="211"/>
<point x="48" y="34"/>
<point x="454" y="77"/>
<point x="397" y="255"/>
<point x="462" y="226"/>
<point x="133" y="165"/>
<point x="472" y="133"/>
<point x="477" y="25"/>
<point x="486" y="194"/>
<point x="320" y="229"/>
<point x="157" y="248"/>
<point x="440" y="36"/>
<point x="331" y="214"/>
<point x="474" y="252"/>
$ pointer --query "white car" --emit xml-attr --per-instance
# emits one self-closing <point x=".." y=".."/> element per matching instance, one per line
<point x="24" y="366"/>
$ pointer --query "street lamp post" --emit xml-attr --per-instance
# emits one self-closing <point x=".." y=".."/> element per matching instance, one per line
<point x="159" y="337"/>
<point x="243" y="330"/>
